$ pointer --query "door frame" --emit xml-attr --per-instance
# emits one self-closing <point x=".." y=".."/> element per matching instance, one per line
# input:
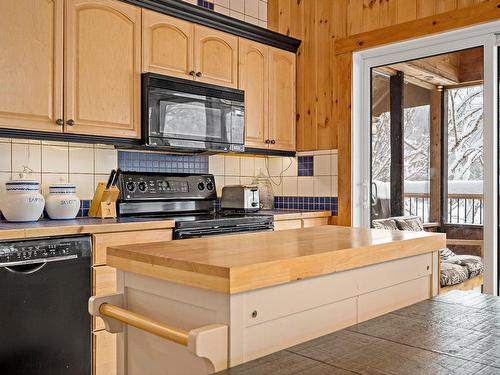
<point x="480" y="35"/>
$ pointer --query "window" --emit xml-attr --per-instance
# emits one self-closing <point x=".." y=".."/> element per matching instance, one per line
<point x="465" y="155"/>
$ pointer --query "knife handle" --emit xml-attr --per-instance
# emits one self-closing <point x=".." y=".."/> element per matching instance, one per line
<point x="111" y="178"/>
<point x="117" y="175"/>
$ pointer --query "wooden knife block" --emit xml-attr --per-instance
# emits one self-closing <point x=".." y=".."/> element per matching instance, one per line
<point x="104" y="201"/>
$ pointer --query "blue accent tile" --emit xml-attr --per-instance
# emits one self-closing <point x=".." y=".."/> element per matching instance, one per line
<point x="162" y="163"/>
<point x="206" y="4"/>
<point x="307" y="203"/>
<point x="305" y="165"/>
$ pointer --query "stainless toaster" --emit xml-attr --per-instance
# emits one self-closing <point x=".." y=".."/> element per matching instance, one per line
<point x="240" y="197"/>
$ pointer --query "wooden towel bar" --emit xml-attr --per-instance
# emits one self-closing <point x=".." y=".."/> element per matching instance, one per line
<point x="209" y="342"/>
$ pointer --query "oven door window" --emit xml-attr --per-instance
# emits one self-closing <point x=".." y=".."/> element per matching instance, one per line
<point x="188" y="116"/>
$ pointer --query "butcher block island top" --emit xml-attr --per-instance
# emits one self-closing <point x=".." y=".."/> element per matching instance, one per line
<point x="234" y="264"/>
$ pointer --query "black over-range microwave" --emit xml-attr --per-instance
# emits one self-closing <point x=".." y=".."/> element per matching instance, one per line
<point x="184" y="115"/>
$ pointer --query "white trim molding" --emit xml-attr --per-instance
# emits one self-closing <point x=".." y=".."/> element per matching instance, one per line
<point x="477" y="36"/>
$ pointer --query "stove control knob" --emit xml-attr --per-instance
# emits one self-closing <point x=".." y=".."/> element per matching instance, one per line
<point x="130" y="186"/>
<point x="142" y="186"/>
<point x="210" y="186"/>
<point x="201" y="186"/>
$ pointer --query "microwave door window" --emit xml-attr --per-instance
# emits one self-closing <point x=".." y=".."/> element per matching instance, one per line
<point x="193" y="118"/>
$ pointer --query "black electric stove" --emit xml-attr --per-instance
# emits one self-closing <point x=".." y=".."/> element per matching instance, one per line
<point x="189" y="199"/>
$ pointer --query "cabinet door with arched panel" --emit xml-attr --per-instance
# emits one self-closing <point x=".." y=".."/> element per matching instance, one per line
<point x="31" y="65"/>
<point x="254" y="80"/>
<point x="282" y="100"/>
<point x="167" y="45"/>
<point x="102" y="68"/>
<point x="215" y="57"/>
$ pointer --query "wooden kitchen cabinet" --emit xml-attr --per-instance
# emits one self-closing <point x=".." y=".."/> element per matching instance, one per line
<point x="201" y="53"/>
<point x="31" y="66"/>
<point x="254" y="80"/>
<point x="102" y="241"/>
<point x="215" y="57"/>
<point x="104" y="281"/>
<point x="104" y="344"/>
<point x="161" y="35"/>
<point x="305" y="219"/>
<point x="315" y="222"/>
<point x="282" y="100"/>
<point x="102" y="68"/>
<point x="287" y="224"/>
<point x="267" y="75"/>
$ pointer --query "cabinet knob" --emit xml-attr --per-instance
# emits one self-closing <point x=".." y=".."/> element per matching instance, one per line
<point x="273" y="141"/>
<point x="198" y="74"/>
<point x="60" y="122"/>
<point x="267" y="141"/>
<point x="70" y="122"/>
<point x="192" y="73"/>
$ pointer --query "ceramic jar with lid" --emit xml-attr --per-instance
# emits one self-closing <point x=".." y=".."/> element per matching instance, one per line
<point x="62" y="201"/>
<point x="22" y="201"/>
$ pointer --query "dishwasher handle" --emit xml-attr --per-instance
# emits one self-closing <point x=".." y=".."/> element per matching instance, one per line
<point x="35" y="262"/>
<point x="27" y="268"/>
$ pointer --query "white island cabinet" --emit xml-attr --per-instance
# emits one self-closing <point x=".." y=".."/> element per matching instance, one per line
<point x="201" y="305"/>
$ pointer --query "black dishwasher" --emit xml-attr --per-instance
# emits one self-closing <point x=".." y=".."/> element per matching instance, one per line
<point x="45" y="327"/>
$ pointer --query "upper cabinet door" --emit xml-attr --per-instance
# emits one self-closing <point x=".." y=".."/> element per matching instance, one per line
<point x="254" y="80"/>
<point x="282" y="100"/>
<point x="31" y="45"/>
<point x="103" y="67"/>
<point x="167" y="45"/>
<point x="216" y="57"/>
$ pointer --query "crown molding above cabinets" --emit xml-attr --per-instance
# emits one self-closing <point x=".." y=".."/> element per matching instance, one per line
<point x="202" y="16"/>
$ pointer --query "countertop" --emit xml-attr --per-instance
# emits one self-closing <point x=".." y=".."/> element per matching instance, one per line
<point x="281" y="214"/>
<point x="84" y="225"/>
<point x="453" y="333"/>
<point x="233" y="264"/>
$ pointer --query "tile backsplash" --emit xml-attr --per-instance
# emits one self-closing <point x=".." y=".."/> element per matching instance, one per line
<point x="52" y="162"/>
<point x="307" y="181"/>
<point x="251" y="11"/>
<point x="312" y="186"/>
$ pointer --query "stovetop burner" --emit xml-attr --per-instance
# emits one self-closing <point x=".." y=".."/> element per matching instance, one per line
<point x="216" y="218"/>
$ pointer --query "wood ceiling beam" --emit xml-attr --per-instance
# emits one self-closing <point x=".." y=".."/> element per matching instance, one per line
<point x="479" y="13"/>
<point x="391" y="70"/>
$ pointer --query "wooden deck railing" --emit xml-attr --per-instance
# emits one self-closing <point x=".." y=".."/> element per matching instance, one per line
<point x="462" y="208"/>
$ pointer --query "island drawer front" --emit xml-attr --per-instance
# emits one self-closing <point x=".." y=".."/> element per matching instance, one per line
<point x="104" y="240"/>
<point x="394" y="272"/>
<point x="271" y="336"/>
<point x="281" y="300"/>
<point x="393" y="298"/>
<point x="285" y="299"/>
<point x="287" y="224"/>
<point x="104" y="283"/>
<point x="315" y="222"/>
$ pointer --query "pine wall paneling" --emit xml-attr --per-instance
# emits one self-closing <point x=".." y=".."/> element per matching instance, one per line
<point x="324" y="66"/>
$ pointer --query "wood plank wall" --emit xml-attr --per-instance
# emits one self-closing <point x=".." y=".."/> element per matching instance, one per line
<point x="324" y="78"/>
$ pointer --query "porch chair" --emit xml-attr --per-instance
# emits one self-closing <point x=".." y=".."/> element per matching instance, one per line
<point x="457" y="272"/>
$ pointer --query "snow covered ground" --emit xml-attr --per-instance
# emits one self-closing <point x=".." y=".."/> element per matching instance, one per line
<point x="422" y="187"/>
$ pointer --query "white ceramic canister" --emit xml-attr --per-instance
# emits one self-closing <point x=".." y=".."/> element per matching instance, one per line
<point x="22" y="201"/>
<point x="62" y="201"/>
